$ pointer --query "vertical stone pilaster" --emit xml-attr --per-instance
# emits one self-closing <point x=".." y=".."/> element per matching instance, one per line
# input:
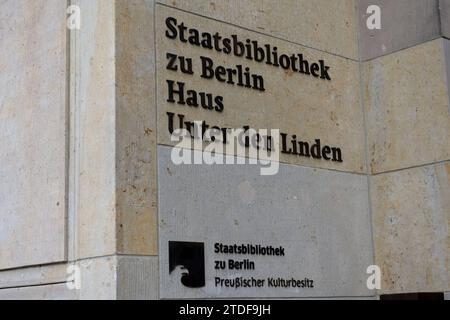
<point x="135" y="103"/>
<point x="92" y="205"/>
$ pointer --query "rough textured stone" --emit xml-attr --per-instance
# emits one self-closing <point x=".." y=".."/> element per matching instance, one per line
<point x="137" y="278"/>
<point x="114" y="277"/>
<point x="322" y="24"/>
<point x="411" y="215"/>
<point x="408" y="108"/>
<point x="32" y="132"/>
<point x="295" y="103"/>
<point x="78" y="158"/>
<point x="404" y="23"/>
<point x="447" y="66"/>
<point x="114" y="130"/>
<point x="321" y="217"/>
<point x="136" y="127"/>
<point x="119" y="277"/>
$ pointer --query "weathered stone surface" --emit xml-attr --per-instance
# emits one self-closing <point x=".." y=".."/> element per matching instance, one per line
<point x="408" y="108"/>
<point x="444" y="6"/>
<point x="94" y="129"/>
<point x="137" y="278"/>
<point x="404" y="23"/>
<point x="98" y="278"/>
<point x="49" y="292"/>
<point x="78" y="158"/>
<point x="326" y="25"/>
<point x="34" y="276"/>
<point x="411" y="214"/>
<point x="116" y="277"/>
<point x="321" y="217"/>
<point x="447" y="65"/>
<point x="297" y="104"/>
<point x="119" y="277"/>
<point x="136" y="127"/>
<point x="114" y="123"/>
<point x="33" y="133"/>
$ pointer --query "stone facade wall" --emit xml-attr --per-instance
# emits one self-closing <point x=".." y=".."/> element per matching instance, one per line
<point x="34" y="133"/>
<point x="82" y="163"/>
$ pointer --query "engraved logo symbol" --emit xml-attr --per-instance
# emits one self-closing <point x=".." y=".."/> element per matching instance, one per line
<point x="189" y="259"/>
